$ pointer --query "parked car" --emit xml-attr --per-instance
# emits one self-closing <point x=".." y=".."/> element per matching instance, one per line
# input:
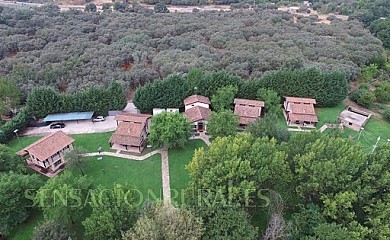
<point x="57" y="125"/>
<point x="98" y="119"/>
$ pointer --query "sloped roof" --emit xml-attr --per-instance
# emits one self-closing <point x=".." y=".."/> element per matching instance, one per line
<point x="197" y="113"/>
<point x="302" y="108"/>
<point x="303" y="117"/>
<point x="300" y="100"/>
<point x="354" y="117"/>
<point x="133" y="117"/>
<point x="196" y="98"/>
<point x="49" y="145"/>
<point x="128" y="133"/>
<point x="255" y="103"/>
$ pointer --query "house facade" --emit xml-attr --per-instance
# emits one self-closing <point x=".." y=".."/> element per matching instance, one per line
<point x="300" y="112"/>
<point x="247" y="110"/>
<point x="131" y="133"/>
<point x="46" y="155"/>
<point x="197" y="112"/>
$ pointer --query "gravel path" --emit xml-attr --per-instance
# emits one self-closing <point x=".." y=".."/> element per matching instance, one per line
<point x="165" y="176"/>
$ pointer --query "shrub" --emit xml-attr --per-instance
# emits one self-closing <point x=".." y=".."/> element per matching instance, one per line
<point x="386" y="114"/>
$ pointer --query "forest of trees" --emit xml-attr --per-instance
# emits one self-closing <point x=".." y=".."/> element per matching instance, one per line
<point x="71" y="50"/>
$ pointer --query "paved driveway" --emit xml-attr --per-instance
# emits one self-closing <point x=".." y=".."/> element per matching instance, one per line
<point x="72" y="127"/>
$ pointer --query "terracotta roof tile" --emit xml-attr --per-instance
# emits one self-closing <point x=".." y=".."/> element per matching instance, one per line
<point x="300" y="100"/>
<point x="49" y="145"/>
<point x="255" y="103"/>
<point x="246" y="111"/>
<point x="196" y="98"/>
<point x="302" y="117"/>
<point x="128" y="133"/>
<point x="302" y="108"/>
<point x="133" y="117"/>
<point x="197" y="113"/>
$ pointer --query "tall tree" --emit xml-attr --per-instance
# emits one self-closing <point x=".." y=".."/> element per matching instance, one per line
<point x="9" y="96"/>
<point x="15" y="206"/>
<point x="118" y="97"/>
<point x="229" y="223"/>
<point x="50" y="230"/>
<point x="223" y="123"/>
<point x="159" y="221"/>
<point x="169" y="130"/>
<point x="268" y="126"/>
<point x="61" y="198"/>
<point x="114" y="213"/>
<point x="223" y="98"/>
<point x="76" y="159"/>
<point x="223" y="171"/>
<point x="271" y="100"/>
<point x="43" y="101"/>
<point x="9" y="161"/>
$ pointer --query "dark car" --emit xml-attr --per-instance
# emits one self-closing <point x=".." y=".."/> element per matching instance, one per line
<point x="57" y="125"/>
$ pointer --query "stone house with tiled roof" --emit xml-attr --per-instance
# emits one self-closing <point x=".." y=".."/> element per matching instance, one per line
<point x="248" y="110"/>
<point x="300" y="112"/>
<point x="131" y="133"/>
<point x="197" y="112"/>
<point x="46" y="155"/>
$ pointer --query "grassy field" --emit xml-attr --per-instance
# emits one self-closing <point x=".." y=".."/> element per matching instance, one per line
<point x="329" y="115"/>
<point x="178" y="159"/>
<point x="90" y="142"/>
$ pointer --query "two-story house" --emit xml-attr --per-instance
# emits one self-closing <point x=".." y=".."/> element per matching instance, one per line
<point x="197" y="112"/>
<point x="247" y="110"/>
<point x="131" y="133"/>
<point x="300" y="111"/>
<point x="46" y="155"/>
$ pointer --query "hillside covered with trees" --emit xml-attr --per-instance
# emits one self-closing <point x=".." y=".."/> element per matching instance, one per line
<point x="71" y="50"/>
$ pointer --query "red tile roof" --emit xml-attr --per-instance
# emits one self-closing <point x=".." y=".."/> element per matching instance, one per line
<point x="247" y="114"/>
<point x="302" y="117"/>
<point x="133" y="117"/>
<point x="197" y="113"/>
<point x="128" y="133"/>
<point x="300" y="100"/>
<point x="196" y="98"/>
<point x="248" y="102"/>
<point x="302" y="108"/>
<point x="48" y="146"/>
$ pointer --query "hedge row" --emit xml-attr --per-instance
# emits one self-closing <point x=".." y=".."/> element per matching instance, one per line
<point x="328" y="88"/>
<point x="45" y="100"/>
<point x="20" y="122"/>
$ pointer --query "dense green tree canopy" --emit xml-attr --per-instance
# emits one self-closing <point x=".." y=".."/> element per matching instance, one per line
<point x="113" y="213"/>
<point x="72" y="50"/>
<point x="62" y="198"/>
<point x="222" y="123"/>
<point x="169" y="130"/>
<point x="15" y="206"/>
<point x="160" y="221"/>
<point x="223" y="98"/>
<point x="9" y="96"/>
<point x="51" y="230"/>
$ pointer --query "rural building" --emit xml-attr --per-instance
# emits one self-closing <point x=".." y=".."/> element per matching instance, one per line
<point x="300" y="112"/>
<point x="247" y="110"/>
<point x="160" y="110"/>
<point x="46" y="155"/>
<point x="353" y="118"/>
<point x="131" y="133"/>
<point x="196" y="100"/>
<point x="197" y="112"/>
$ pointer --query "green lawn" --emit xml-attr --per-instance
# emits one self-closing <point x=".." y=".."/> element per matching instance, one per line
<point x="144" y="175"/>
<point x="374" y="128"/>
<point x="90" y="142"/>
<point x="178" y="159"/>
<point x="329" y="115"/>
